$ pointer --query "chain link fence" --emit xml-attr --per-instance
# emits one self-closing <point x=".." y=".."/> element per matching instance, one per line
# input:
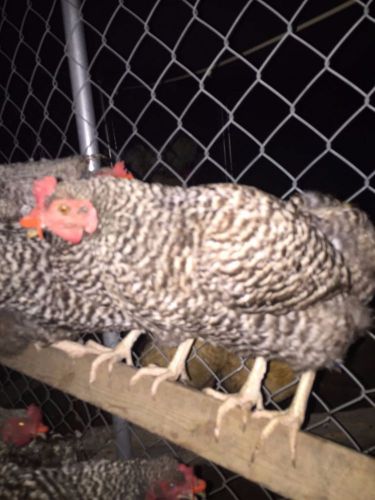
<point x="279" y="95"/>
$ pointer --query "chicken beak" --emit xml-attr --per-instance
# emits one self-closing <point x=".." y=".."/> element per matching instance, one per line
<point x="33" y="223"/>
<point x="200" y="487"/>
<point x="42" y="429"/>
<point x="33" y="233"/>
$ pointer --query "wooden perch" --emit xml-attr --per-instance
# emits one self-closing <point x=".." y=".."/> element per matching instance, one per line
<point x="186" y="417"/>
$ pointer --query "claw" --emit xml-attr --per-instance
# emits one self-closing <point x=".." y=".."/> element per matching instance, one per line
<point x="103" y="353"/>
<point x="160" y="373"/>
<point x="120" y="352"/>
<point x="287" y="418"/>
<point x="249" y="396"/>
<point x="172" y="372"/>
<point x="293" y="417"/>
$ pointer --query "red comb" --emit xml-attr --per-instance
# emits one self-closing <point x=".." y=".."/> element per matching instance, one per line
<point x="118" y="170"/>
<point x="43" y="188"/>
<point x="35" y="413"/>
<point x="198" y="485"/>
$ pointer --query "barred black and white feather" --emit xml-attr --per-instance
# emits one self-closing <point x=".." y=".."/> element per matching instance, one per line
<point x="93" y="479"/>
<point x="230" y="264"/>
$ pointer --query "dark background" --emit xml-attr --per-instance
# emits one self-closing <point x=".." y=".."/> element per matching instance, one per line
<point x="296" y="113"/>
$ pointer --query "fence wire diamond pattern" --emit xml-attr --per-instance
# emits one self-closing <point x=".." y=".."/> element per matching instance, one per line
<point x="275" y="94"/>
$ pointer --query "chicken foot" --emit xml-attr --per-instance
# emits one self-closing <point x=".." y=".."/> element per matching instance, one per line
<point x="104" y="353"/>
<point x="172" y="372"/>
<point x="249" y="396"/>
<point x="293" y="417"/>
<point x="123" y="350"/>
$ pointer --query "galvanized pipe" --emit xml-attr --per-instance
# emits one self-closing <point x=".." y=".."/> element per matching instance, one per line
<point x="88" y="145"/>
<point x="80" y="81"/>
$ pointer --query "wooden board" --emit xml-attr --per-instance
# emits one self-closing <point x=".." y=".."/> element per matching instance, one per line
<point x="324" y="470"/>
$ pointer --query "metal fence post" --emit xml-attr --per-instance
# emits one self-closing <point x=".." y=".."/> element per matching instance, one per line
<point x="80" y="81"/>
<point x="88" y="144"/>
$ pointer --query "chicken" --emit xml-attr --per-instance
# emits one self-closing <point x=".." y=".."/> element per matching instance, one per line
<point x="19" y="193"/>
<point x="103" y="479"/>
<point x="20" y="430"/>
<point x="37" y="268"/>
<point x="227" y="263"/>
<point x="58" y="467"/>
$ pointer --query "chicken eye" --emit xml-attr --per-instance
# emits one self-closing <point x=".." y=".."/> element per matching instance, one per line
<point x="64" y="209"/>
<point x="83" y="210"/>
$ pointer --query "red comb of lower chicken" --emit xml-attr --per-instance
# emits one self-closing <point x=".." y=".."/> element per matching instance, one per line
<point x="67" y="218"/>
<point x="118" y="170"/>
<point x="21" y="430"/>
<point x="186" y="486"/>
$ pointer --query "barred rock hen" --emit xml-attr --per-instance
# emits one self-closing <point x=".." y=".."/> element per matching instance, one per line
<point x="137" y="479"/>
<point x="227" y="263"/>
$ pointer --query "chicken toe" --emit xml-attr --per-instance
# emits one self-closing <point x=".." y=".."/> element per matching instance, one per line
<point x="293" y="417"/>
<point x="77" y="350"/>
<point x="103" y="353"/>
<point x="172" y="372"/>
<point x="249" y="396"/>
<point x="121" y="351"/>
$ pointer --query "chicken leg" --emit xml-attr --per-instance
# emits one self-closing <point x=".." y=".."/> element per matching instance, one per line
<point x="172" y="372"/>
<point x="250" y="395"/>
<point x="293" y="417"/>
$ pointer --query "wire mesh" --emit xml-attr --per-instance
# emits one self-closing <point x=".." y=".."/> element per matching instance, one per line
<point x="275" y="94"/>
